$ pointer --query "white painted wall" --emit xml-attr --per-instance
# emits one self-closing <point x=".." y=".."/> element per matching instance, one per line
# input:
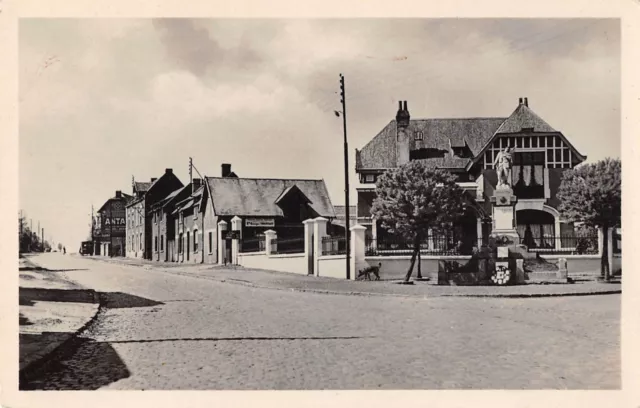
<point x="333" y="266"/>
<point x="292" y="263"/>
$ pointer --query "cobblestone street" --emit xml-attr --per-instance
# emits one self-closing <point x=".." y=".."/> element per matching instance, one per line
<point x="186" y="332"/>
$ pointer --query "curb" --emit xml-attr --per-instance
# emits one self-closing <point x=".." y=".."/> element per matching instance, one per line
<point x="64" y="349"/>
<point x="398" y="295"/>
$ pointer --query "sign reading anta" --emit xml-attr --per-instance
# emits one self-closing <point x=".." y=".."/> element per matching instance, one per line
<point x="259" y="222"/>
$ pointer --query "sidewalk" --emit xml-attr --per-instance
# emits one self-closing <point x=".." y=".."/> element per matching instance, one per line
<point x="287" y="281"/>
<point x="52" y="311"/>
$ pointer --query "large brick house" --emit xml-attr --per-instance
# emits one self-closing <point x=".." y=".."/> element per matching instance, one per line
<point x="139" y="217"/>
<point x="109" y="236"/>
<point x="467" y="147"/>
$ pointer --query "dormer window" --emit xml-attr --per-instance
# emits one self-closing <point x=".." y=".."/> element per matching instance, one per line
<point x="419" y="135"/>
<point x="369" y="178"/>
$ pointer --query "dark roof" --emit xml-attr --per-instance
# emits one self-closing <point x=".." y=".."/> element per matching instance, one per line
<point x="440" y="134"/>
<point x="168" y="199"/>
<point x="523" y="118"/>
<point x="190" y="201"/>
<point x="125" y="199"/>
<point x="257" y="197"/>
<point x="142" y="186"/>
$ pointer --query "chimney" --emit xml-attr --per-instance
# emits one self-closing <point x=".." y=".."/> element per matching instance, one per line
<point x="197" y="183"/>
<point x="153" y="179"/>
<point x="403" y="117"/>
<point x="226" y="170"/>
<point x="118" y="194"/>
<point x="520" y="101"/>
<point x="526" y="102"/>
<point x="403" y="146"/>
<point x="168" y="171"/>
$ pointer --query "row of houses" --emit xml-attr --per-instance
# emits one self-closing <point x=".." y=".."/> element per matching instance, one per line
<point x="166" y="220"/>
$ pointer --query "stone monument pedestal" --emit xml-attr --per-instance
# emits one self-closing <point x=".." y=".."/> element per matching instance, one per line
<point x="504" y="232"/>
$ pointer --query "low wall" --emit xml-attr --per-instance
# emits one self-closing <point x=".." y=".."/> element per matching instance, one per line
<point x="396" y="267"/>
<point x="292" y="263"/>
<point x="585" y="264"/>
<point x="333" y="266"/>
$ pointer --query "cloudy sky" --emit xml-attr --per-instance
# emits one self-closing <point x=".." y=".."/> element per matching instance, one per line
<point x="103" y="100"/>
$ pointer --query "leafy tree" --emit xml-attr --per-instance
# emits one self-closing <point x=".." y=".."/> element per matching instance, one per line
<point x="591" y="193"/>
<point x="412" y="199"/>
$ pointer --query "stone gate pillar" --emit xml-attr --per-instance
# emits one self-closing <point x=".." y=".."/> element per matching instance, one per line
<point x="270" y="241"/>
<point x="356" y="260"/>
<point x="236" y="225"/>
<point x="222" y="243"/>
<point x="319" y="232"/>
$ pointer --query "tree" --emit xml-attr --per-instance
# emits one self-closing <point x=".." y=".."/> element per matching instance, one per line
<point x="412" y="199"/>
<point x="59" y="247"/>
<point x="592" y="194"/>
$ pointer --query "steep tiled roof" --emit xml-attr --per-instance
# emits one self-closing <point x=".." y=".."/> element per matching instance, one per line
<point x="142" y="186"/>
<point x="438" y="134"/>
<point x="257" y="197"/>
<point x="523" y="118"/>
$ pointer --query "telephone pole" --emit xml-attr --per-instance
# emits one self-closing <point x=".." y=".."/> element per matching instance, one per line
<point x="347" y="223"/>
<point x="191" y="173"/>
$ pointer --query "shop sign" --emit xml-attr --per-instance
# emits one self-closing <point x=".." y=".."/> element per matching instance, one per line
<point x="259" y="222"/>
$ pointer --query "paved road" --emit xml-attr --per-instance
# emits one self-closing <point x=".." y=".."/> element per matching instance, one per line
<point x="166" y="331"/>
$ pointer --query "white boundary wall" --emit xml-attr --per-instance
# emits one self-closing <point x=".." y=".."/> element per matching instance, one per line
<point x="292" y="263"/>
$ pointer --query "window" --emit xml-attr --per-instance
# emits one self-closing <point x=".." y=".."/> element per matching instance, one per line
<point x="161" y="243"/>
<point x="369" y="178"/>
<point x="195" y="212"/>
<point x="195" y="241"/>
<point x="155" y="244"/>
<point x="419" y="135"/>
<point x="141" y="242"/>
<point x="210" y="242"/>
<point x="180" y="244"/>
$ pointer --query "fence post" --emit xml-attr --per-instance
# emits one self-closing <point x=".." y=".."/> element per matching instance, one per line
<point x="236" y="225"/>
<point x="308" y="244"/>
<point x="222" y="243"/>
<point x="269" y="237"/>
<point x="357" y="250"/>
<point x="562" y="273"/>
<point x="319" y="232"/>
<point x="610" y="250"/>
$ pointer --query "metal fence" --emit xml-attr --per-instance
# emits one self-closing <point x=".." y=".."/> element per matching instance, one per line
<point x="287" y="246"/>
<point x="334" y="246"/>
<point x="253" y="245"/>
<point x="433" y="245"/>
<point x="563" y="245"/>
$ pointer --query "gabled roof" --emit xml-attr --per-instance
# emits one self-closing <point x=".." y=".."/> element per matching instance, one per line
<point x="170" y="199"/>
<point x="142" y="186"/>
<point x="190" y="201"/>
<point x="292" y="190"/>
<point x="438" y="134"/>
<point x="258" y="197"/>
<point x="124" y="199"/>
<point x="524" y="118"/>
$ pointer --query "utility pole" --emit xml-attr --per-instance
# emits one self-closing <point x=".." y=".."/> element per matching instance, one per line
<point x="191" y="174"/>
<point x="347" y="223"/>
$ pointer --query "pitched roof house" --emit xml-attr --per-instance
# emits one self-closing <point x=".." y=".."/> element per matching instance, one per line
<point x="467" y="148"/>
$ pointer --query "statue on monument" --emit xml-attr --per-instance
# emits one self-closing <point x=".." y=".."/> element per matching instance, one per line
<point x="503" y="164"/>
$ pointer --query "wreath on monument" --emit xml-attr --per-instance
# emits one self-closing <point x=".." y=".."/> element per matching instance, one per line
<point x="502" y="275"/>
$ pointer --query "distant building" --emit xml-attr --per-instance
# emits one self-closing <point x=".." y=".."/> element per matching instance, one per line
<point x="467" y="148"/>
<point x="139" y="217"/>
<point x="110" y="226"/>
